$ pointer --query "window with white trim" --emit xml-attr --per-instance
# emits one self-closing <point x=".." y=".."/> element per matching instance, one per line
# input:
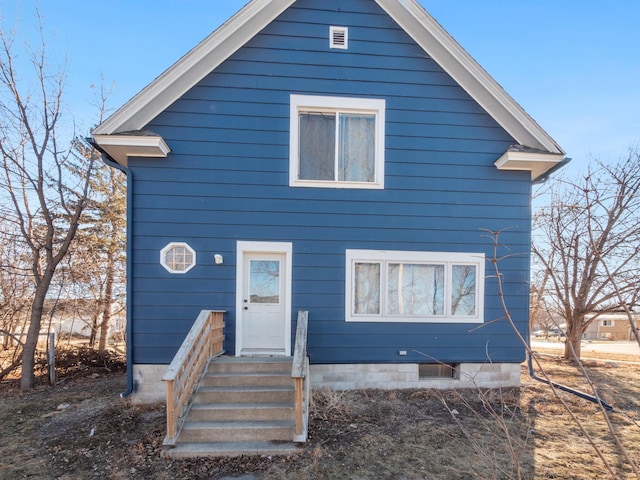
<point x="178" y="257"/>
<point x="393" y="286"/>
<point x="336" y="142"/>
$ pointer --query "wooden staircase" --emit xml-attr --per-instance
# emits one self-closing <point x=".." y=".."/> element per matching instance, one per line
<point x="241" y="406"/>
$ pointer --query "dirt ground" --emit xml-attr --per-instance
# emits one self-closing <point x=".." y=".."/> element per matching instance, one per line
<point x="82" y="429"/>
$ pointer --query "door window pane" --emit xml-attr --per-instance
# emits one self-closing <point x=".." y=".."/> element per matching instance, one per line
<point x="264" y="281"/>
<point x="415" y="289"/>
<point x="463" y="291"/>
<point x="367" y="289"/>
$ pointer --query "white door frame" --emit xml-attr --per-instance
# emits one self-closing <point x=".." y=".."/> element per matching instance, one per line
<point x="245" y="247"/>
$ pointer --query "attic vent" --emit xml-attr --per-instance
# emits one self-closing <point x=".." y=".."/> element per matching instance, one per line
<point x="339" y="37"/>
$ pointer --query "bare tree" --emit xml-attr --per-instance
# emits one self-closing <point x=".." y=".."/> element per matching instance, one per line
<point x="97" y="263"/>
<point x="44" y="180"/>
<point x="587" y="239"/>
<point x="15" y="292"/>
<point x="625" y="454"/>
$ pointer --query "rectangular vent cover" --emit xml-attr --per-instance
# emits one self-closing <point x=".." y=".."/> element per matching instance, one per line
<point x="339" y="37"/>
<point x="438" y="370"/>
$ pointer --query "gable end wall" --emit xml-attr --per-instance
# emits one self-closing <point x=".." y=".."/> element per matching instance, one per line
<point x="227" y="179"/>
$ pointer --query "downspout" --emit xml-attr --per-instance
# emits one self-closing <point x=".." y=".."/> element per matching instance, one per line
<point x="564" y="388"/>
<point x="129" y="329"/>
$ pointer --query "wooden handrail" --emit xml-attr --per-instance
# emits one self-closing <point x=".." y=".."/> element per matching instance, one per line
<point x="300" y="374"/>
<point x="204" y="340"/>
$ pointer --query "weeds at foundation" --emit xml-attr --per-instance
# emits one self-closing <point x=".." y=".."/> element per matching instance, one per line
<point x="327" y="404"/>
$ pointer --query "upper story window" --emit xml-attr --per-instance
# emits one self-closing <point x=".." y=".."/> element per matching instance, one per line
<point x="384" y="286"/>
<point x="178" y="257"/>
<point x="337" y="142"/>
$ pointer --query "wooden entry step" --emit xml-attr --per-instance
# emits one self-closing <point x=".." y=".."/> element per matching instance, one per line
<point x="242" y="406"/>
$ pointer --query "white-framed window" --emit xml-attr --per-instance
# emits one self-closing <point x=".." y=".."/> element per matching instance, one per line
<point x="607" y="323"/>
<point x="336" y="142"/>
<point x="178" y="257"/>
<point x="395" y="286"/>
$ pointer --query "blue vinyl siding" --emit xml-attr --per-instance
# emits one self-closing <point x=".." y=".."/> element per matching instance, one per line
<point x="227" y="179"/>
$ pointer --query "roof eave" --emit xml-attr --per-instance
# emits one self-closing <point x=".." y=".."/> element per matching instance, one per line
<point x="540" y="164"/>
<point x="463" y="68"/>
<point x="193" y="67"/>
<point x="120" y="147"/>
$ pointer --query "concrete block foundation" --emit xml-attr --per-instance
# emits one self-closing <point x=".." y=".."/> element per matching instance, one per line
<point x="406" y="375"/>
<point x="149" y="387"/>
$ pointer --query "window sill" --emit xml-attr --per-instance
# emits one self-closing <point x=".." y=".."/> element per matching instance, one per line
<point x="330" y="184"/>
<point x="415" y="320"/>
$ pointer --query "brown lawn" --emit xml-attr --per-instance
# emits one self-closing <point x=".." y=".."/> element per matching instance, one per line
<point x="81" y="429"/>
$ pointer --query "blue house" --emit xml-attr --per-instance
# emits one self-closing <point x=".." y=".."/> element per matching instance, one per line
<point x="342" y="158"/>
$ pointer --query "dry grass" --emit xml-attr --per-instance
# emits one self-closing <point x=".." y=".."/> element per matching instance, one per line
<point x="561" y="450"/>
<point x="475" y="434"/>
<point x="370" y="434"/>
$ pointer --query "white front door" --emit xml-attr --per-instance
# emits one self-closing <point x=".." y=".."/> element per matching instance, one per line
<point x="263" y="314"/>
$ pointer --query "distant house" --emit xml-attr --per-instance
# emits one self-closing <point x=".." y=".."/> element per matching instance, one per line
<point x="74" y="317"/>
<point x="611" y="326"/>
<point x="341" y="157"/>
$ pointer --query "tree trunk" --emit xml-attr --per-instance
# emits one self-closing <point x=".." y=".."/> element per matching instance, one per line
<point x="108" y="303"/>
<point x="575" y="329"/>
<point x="94" y="328"/>
<point x="572" y="345"/>
<point x="27" y="380"/>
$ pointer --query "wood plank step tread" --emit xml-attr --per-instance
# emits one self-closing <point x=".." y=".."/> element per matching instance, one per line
<point x="274" y="388"/>
<point x="233" y="406"/>
<point x="203" y="424"/>
<point x="228" y="359"/>
<point x="248" y="374"/>
<point x="230" y="449"/>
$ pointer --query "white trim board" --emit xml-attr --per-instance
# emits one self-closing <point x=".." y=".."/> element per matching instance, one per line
<point x="384" y="257"/>
<point x="374" y="106"/>
<point x="194" y="66"/>
<point x="244" y="247"/>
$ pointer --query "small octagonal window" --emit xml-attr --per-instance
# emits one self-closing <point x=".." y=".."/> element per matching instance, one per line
<point x="178" y="257"/>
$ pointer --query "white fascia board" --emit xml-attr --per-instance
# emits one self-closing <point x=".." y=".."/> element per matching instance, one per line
<point x="121" y="147"/>
<point x="448" y="53"/>
<point x="536" y="163"/>
<point x="194" y="66"/>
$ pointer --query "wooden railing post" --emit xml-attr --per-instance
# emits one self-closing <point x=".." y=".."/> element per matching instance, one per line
<point x="204" y="340"/>
<point x="300" y="374"/>
<point x="299" y="382"/>
<point x="171" y="409"/>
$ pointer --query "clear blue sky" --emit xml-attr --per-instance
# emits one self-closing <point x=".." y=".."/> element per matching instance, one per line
<point x="572" y="64"/>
